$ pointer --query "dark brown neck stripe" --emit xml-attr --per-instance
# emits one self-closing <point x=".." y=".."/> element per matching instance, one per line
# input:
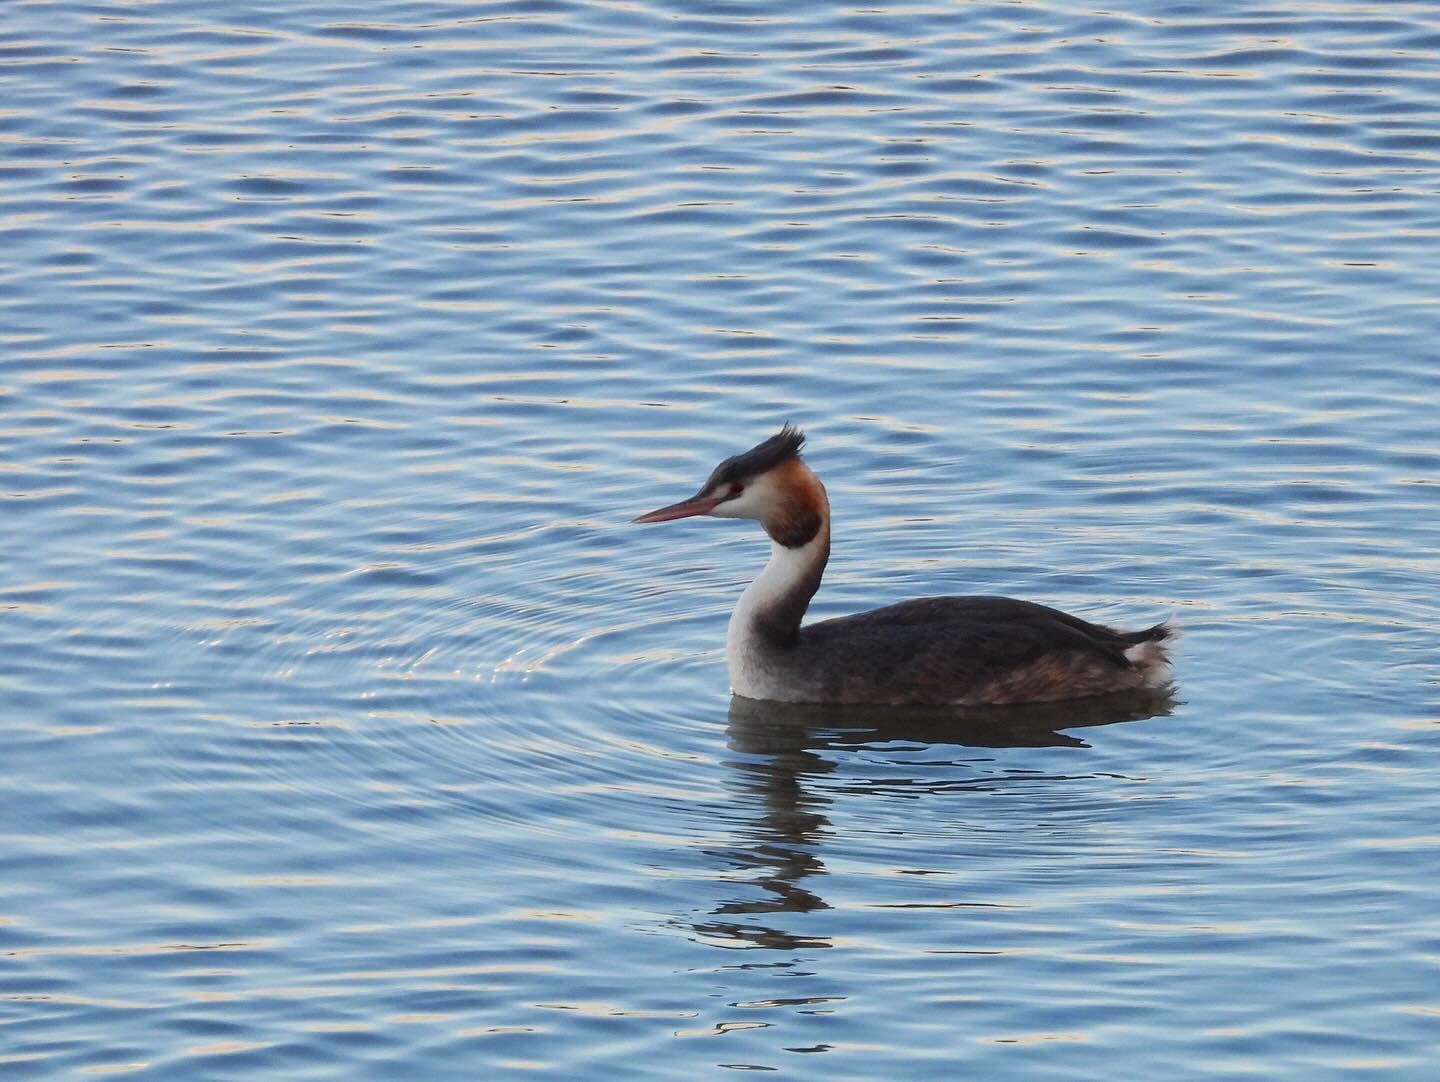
<point x="794" y="527"/>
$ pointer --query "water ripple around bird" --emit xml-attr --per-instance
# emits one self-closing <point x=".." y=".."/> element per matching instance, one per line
<point x="352" y="732"/>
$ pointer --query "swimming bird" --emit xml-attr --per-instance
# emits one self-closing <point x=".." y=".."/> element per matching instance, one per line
<point x="931" y="650"/>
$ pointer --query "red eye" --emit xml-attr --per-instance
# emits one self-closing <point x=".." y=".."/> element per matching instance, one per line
<point x="735" y="490"/>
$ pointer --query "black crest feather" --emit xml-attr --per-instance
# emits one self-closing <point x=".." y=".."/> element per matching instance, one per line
<point x="761" y="458"/>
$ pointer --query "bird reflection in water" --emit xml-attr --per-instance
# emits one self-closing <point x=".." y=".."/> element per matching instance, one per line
<point x="780" y="750"/>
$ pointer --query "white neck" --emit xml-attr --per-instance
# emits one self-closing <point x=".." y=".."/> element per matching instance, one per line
<point x="767" y="617"/>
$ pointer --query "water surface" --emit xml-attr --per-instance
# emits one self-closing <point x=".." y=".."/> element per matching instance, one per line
<point x="351" y="733"/>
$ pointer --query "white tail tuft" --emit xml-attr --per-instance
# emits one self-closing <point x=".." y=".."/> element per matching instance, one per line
<point x="1151" y="658"/>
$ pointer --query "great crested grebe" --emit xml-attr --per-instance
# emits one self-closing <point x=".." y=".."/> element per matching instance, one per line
<point x="932" y="650"/>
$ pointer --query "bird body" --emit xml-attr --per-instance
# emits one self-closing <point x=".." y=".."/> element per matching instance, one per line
<point x="934" y="650"/>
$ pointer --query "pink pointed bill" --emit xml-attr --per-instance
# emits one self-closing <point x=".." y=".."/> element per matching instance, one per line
<point x="695" y="505"/>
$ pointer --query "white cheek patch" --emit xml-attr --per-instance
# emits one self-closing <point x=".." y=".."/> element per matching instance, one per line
<point x="758" y="500"/>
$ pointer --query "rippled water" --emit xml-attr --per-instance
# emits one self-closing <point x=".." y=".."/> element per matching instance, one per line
<point x="351" y="733"/>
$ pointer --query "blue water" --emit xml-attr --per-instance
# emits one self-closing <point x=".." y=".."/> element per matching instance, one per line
<point x="349" y="730"/>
